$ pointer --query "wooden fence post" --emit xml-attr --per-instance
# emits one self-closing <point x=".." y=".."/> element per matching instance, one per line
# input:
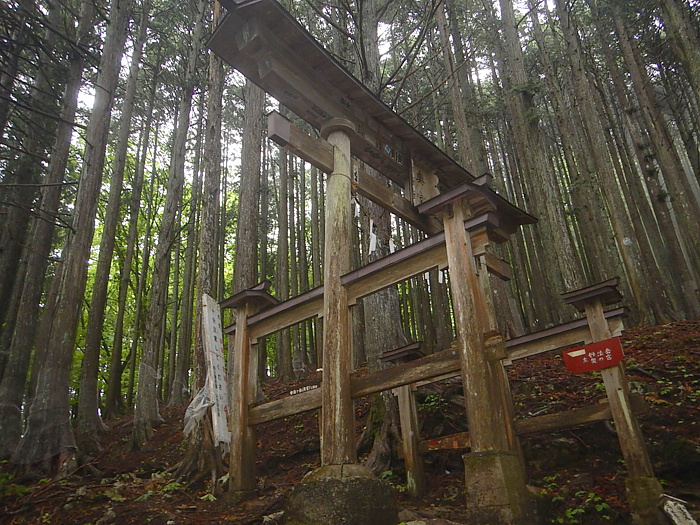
<point x="643" y="489"/>
<point x="494" y="475"/>
<point x="242" y="371"/>
<point x="408" y="419"/>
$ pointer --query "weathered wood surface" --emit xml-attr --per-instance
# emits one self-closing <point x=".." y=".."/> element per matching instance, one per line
<point x="567" y="334"/>
<point x="287" y="313"/>
<point x="286" y="406"/>
<point x="371" y="188"/>
<point x="437" y="366"/>
<point x="480" y="199"/>
<point x="314" y="150"/>
<point x="677" y="512"/>
<point x="396" y="267"/>
<point x="455" y="441"/>
<point x="433" y="365"/>
<point x="217" y="380"/>
<point x="403" y="374"/>
<point x="338" y="414"/>
<point x="315" y="100"/>
<point x="268" y="46"/>
<point x="498" y="267"/>
<point x="241" y="372"/>
<point x="486" y="415"/>
<point x="555" y="422"/>
<point x="368" y="280"/>
<point x="410" y="436"/>
<point x="628" y="432"/>
<point x="319" y="153"/>
<point x="575" y="417"/>
<point x="606" y="292"/>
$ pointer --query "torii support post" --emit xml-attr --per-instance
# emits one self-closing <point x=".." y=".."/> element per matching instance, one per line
<point x="340" y="491"/>
<point x="494" y="342"/>
<point x="408" y="418"/>
<point x="337" y="413"/>
<point x="643" y="489"/>
<point x="243" y="368"/>
<point x="494" y="475"/>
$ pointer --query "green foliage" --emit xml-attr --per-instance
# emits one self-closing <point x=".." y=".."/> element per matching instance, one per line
<point x="568" y="508"/>
<point x="433" y="403"/>
<point x="394" y="481"/>
<point x="9" y="488"/>
<point x="173" y="486"/>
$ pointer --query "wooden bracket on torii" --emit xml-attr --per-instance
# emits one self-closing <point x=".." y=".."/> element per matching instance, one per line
<point x="319" y="153"/>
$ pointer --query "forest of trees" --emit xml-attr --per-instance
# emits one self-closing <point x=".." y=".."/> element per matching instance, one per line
<point x="135" y="175"/>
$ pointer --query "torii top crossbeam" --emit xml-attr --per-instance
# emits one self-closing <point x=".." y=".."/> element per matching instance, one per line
<point x="265" y="43"/>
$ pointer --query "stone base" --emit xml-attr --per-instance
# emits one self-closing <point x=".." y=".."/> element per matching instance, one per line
<point x="644" y="496"/>
<point x="341" y="494"/>
<point x="496" y="492"/>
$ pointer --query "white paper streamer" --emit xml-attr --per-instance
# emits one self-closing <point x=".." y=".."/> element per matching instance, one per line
<point x="392" y="246"/>
<point x="372" y="237"/>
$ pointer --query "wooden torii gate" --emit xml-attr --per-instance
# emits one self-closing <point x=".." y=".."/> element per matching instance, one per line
<point x="459" y="212"/>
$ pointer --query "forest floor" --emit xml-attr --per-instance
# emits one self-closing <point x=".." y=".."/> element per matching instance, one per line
<point x="579" y="474"/>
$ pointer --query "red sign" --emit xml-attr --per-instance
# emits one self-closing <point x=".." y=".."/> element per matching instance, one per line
<point x="594" y="356"/>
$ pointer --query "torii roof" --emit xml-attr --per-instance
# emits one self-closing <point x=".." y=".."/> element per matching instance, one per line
<point x="266" y="44"/>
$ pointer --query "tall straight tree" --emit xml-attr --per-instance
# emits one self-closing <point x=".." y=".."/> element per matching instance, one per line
<point x="146" y="413"/>
<point x="15" y="33"/>
<point x="89" y="422"/>
<point x="471" y="140"/>
<point x="114" y="389"/>
<point x="203" y="455"/>
<point x="245" y="263"/>
<point x="606" y="176"/>
<point x="684" y="37"/>
<point x="179" y="391"/>
<point x="13" y="383"/>
<point x="660" y="246"/>
<point x="591" y="220"/>
<point x="48" y="442"/>
<point x="383" y="329"/>
<point x="562" y="270"/>
<point x="684" y="201"/>
<point x="33" y="132"/>
<point x="143" y="275"/>
<point x="284" y="357"/>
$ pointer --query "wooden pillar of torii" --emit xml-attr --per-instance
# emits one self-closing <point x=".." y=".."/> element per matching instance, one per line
<point x="494" y="472"/>
<point x="337" y="411"/>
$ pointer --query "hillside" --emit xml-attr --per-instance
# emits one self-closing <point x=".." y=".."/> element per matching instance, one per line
<point x="579" y="473"/>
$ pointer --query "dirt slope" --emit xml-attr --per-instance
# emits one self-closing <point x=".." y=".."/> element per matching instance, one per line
<point x="579" y="474"/>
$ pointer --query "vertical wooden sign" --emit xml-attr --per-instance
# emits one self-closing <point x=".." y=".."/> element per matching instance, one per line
<point x="216" y="369"/>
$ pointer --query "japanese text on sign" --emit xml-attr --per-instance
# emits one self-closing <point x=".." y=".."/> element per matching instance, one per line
<point x="594" y="356"/>
<point x="216" y="368"/>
